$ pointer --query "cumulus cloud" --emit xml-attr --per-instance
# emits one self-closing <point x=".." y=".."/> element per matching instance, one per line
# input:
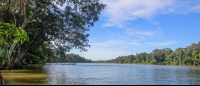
<point x="118" y="12"/>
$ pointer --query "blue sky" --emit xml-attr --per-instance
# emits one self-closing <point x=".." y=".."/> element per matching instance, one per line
<point x="134" y="26"/>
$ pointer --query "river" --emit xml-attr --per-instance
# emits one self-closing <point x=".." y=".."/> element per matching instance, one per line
<point x="103" y="74"/>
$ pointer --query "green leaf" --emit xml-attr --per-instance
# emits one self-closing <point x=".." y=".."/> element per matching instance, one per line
<point x="7" y="35"/>
<point x="15" y="41"/>
<point x="7" y="24"/>
<point x="1" y="23"/>
<point x="13" y="25"/>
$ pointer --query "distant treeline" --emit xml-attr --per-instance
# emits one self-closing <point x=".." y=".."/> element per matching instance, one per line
<point x="181" y="56"/>
<point x="61" y="59"/>
<point x="69" y="58"/>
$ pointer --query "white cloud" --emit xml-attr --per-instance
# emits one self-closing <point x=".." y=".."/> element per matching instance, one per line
<point x="101" y="44"/>
<point x="115" y="43"/>
<point x="132" y="31"/>
<point x="141" y="34"/>
<point x="195" y="9"/>
<point x="153" y="22"/>
<point x="158" y="31"/>
<point x="141" y="37"/>
<point x="108" y="25"/>
<point x="162" y="43"/>
<point x="102" y="54"/>
<point x="116" y="48"/>
<point x="144" y="33"/>
<point x="118" y="12"/>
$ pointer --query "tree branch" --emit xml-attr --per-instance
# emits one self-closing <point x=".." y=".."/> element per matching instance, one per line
<point x="9" y="8"/>
<point x="33" y="15"/>
<point x="19" y="12"/>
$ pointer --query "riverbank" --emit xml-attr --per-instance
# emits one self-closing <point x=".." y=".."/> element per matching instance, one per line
<point x="35" y="65"/>
<point x="154" y="64"/>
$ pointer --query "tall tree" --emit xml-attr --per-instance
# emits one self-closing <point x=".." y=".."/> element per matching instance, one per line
<point x="65" y="27"/>
<point x="195" y="55"/>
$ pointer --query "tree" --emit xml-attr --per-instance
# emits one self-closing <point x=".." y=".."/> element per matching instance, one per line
<point x="181" y="56"/>
<point x="65" y="27"/>
<point x="179" y="53"/>
<point x="12" y="9"/>
<point x="9" y="34"/>
<point x="195" y="54"/>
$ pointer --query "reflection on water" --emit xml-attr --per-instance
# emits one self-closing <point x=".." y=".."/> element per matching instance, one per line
<point x="26" y="76"/>
<point x="104" y="74"/>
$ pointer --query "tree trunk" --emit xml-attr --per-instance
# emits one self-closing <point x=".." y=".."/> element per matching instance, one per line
<point x="22" y="27"/>
<point x="194" y="62"/>
<point x="17" y="62"/>
<point x="24" y="61"/>
<point x="5" y="64"/>
<point x="23" y="57"/>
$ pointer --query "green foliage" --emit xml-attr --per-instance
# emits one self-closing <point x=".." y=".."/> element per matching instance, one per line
<point x="68" y="58"/>
<point x="35" y="65"/>
<point x="66" y="28"/>
<point x="181" y="56"/>
<point x="9" y="34"/>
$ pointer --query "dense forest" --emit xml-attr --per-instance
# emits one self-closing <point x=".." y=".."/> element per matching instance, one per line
<point x="38" y="31"/>
<point x="181" y="56"/>
<point x="67" y="58"/>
